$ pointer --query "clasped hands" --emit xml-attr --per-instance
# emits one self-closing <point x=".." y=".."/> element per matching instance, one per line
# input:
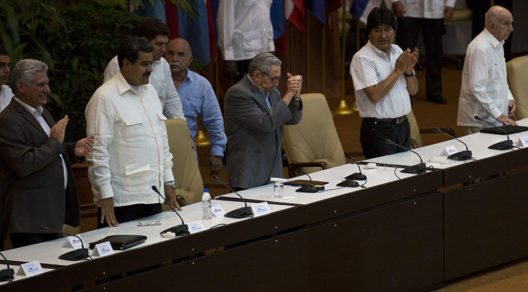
<point x="294" y="86"/>
<point x="406" y="61"/>
<point x="82" y="146"/>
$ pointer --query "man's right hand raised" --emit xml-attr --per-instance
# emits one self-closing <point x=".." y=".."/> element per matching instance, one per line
<point x="58" y="130"/>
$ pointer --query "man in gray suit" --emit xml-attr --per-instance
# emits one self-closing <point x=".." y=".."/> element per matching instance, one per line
<point x="37" y="189"/>
<point x="255" y="113"/>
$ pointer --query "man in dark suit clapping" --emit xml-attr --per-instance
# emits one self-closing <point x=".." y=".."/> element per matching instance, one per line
<point x="255" y="113"/>
<point x="37" y="189"/>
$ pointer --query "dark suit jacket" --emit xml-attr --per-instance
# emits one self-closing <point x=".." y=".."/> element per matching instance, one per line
<point x="32" y="194"/>
<point x="254" y="133"/>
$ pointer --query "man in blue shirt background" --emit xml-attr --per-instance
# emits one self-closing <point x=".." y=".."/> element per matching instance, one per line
<point x="198" y="98"/>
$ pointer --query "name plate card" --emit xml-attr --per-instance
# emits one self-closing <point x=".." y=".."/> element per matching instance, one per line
<point x="523" y="141"/>
<point x="30" y="269"/>
<point x="217" y="209"/>
<point x="74" y="242"/>
<point x="450" y="149"/>
<point x="260" y="209"/>
<point x="195" y="226"/>
<point x="103" y="249"/>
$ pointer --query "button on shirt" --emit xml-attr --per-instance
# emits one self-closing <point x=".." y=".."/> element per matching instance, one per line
<point x="37" y="113"/>
<point x="244" y="28"/>
<point x="371" y="66"/>
<point x="432" y="9"/>
<point x="161" y="79"/>
<point x="5" y="97"/>
<point x="484" y="90"/>
<point x="130" y="152"/>
<point x="199" y="99"/>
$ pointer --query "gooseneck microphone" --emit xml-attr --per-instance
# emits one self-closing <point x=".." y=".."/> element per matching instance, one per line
<point x="241" y="212"/>
<point x="358" y="175"/>
<point x="415" y="169"/>
<point x="74" y="255"/>
<point x="6" y="274"/>
<point x="503" y="145"/>
<point x="178" y="230"/>
<point x="460" y="155"/>
<point x="307" y="189"/>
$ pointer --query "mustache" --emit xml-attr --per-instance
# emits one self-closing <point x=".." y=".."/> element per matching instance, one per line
<point x="176" y="63"/>
<point x="146" y="74"/>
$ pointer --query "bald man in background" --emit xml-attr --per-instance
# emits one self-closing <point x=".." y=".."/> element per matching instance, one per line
<point x="485" y="90"/>
<point x="198" y="99"/>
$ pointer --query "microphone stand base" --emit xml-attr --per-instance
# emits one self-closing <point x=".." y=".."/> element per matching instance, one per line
<point x="503" y="145"/>
<point x="348" y="183"/>
<point x="307" y="189"/>
<point x="415" y="169"/>
<point x="240" y="213"/>
<point x="178" y="230"/>
<point x="357" y="176"/>
<point x="6" y="275"/>
<point x="461" y="156"/>
<point x="75" y="255"/>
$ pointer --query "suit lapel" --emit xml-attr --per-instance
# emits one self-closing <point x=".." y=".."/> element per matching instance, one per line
<point x="258" y="96"/>
<point x="30" y="118"/>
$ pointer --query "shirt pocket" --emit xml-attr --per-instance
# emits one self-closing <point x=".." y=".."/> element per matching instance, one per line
<point x="134" y="129"/>
<point x="137" y="176"/>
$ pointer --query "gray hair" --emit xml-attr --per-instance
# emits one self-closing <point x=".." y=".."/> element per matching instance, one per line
<point x="263" y="63"/>
<point x="24" y="72"/>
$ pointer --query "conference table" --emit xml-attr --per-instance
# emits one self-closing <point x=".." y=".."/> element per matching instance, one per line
<point x="397" y="231"/>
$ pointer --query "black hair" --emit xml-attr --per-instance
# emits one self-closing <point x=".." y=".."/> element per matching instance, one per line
<point x="3" y="52"/>
<point x="129" y="49"/>
<point x="379" y="16"/>
<point x="151" y="28"/>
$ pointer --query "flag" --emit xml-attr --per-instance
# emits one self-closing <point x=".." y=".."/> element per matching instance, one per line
<point x="318" y="9"/>
<point x="294" y="12"/>
<point x="196" y="32"/>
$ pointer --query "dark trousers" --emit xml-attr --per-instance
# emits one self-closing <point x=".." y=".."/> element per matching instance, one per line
<point x="374" y="133"/>
<point x="242" y="67"/>
<point x="432" y="31"/>
<point x="23" y="239"/>
<point x="129" y="213"/>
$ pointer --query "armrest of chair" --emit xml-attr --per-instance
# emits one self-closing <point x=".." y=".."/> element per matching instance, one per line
<point x="294" y="166"/>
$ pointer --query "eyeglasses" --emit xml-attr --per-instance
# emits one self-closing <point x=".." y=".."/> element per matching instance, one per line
<point x="273" y="79"/>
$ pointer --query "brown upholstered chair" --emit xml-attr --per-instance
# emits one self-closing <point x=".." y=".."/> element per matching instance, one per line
<point x="517" y="72"/>
<point x="313" y="144"/>
<point x="187" y="177"/>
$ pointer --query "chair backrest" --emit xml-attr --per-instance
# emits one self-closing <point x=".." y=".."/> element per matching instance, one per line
<point x="517" y="72"/>
<point x="185" y="168"/>
<point x="416" y="136"/>
<point x="315" y="138"/>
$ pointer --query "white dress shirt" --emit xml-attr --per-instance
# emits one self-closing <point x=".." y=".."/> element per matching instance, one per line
<point x="433" y="9"/>
<point x="244" y="28"/>
<point x="484" y="90"/>
<point x="37" y="113"/>
<point x="161" y="79"/>
<point x="131" y="151"/>
<point x="5" y="96"/>
<point x="371" y="66"/>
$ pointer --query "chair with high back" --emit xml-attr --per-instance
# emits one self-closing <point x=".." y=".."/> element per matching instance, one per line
<point x="517" y="72"/>
<point x="187" y="177"/>
<point x="313" y="144"/>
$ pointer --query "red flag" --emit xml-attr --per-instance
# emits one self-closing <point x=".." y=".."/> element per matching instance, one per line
<point x="294" y="12"/>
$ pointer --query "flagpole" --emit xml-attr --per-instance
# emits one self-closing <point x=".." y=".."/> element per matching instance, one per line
<point x="308" y="87"/>
<point x="343" y="108"/>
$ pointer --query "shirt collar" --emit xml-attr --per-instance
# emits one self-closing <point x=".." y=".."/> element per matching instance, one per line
<point x="123" y="86"/>
<point x="494" y="41"/>
<point x="378" y="51"/>
<point x="34" y="111"/>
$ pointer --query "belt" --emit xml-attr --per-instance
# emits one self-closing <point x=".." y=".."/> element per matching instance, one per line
<point x="395" y="121"/>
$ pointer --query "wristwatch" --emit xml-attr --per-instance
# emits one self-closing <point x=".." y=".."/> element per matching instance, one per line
<point x="171" y="184"/>
<point x="409" y="75"/>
